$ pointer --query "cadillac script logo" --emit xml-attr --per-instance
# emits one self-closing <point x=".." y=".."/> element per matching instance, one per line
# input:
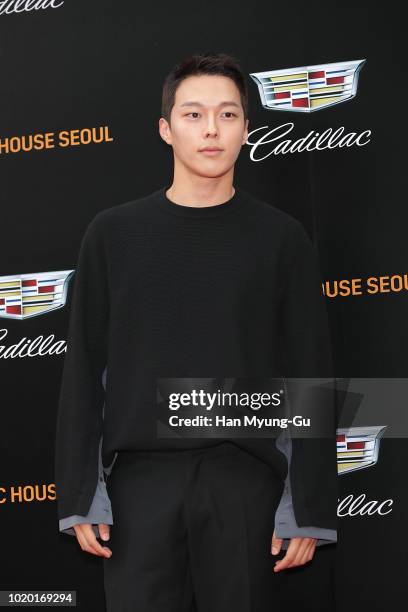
<point x="29" y="295"/>
<point x="308" y="88"/>
<point x="358" y="447"/>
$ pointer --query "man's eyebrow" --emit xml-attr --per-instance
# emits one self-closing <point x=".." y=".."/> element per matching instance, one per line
<point x="195" y="103"/>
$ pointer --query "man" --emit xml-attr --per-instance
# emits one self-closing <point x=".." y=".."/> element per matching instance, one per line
<point x="199" y="279"/>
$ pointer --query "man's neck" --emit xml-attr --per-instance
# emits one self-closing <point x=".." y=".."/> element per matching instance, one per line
<point x="200" y="195"/>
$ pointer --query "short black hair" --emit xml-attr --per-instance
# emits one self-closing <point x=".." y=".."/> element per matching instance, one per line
<point x="203" y="63"/>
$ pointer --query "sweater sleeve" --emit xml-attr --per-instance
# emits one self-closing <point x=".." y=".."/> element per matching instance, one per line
<point x="100" y="510"/>
<point x="285" y="522"/>
<point x="80" y="417"/>
<point x="307" y="353"/>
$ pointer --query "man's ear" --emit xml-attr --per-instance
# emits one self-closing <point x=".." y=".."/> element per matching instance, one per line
<point x="164" y="130"/>
<point x="245" y="138"/>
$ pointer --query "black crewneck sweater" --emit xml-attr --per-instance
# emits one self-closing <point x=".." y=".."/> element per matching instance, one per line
<point x="167" y="290"/>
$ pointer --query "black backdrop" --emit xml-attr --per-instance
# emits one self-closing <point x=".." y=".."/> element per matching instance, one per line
<point x="102" y="63"/>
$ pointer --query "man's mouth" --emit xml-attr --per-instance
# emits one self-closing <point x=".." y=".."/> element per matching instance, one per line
<point x="211" y="151"/>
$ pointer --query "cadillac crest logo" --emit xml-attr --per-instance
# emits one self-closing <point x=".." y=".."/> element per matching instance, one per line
<point x="308" y="88"/>
<point x="28" y="295"/>
<point x="358" y="448"/>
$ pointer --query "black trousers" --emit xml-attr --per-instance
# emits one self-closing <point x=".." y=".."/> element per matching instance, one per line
<point x="192" y="533"/>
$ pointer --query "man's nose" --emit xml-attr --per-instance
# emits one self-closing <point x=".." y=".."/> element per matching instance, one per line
<point x="211" y="127"/>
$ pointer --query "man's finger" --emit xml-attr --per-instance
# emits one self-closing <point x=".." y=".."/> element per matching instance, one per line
<point x="80" y="537"/>
<point x="80" y="533"/>
<point x="289" y="557"/>
<point x="308" y="556"/>
<point x="88" y="541"/>
<point x="93" y="545"/>
<point x="303" y="549"/>
<point x="276" y="544"/>
<point x="295" y="551"/>
<point x="104" y="531"/>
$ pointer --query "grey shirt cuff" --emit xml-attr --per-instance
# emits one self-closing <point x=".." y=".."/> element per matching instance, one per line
<point x="99" y="512"/>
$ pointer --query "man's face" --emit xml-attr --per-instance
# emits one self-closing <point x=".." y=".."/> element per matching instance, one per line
<point x="207" y="112"/>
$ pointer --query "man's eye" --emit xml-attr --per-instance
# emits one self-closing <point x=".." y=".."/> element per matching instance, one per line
<point x="226" y="113"/>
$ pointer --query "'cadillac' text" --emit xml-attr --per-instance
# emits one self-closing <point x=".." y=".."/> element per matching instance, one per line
<point x="313" y="141"/>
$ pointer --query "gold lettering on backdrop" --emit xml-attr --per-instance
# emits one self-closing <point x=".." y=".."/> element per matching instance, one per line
<point x="49" y="140"/>
<point x="84" y="136"/>
<point x="30" y="493"/>
<point x="371" y="285"/>
<point x="342" y="287"/>
<point x="385" y="284"/>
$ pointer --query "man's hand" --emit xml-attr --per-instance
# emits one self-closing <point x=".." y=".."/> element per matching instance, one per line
<point x="88" y="542"/>
<point x="299" y="552"/>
